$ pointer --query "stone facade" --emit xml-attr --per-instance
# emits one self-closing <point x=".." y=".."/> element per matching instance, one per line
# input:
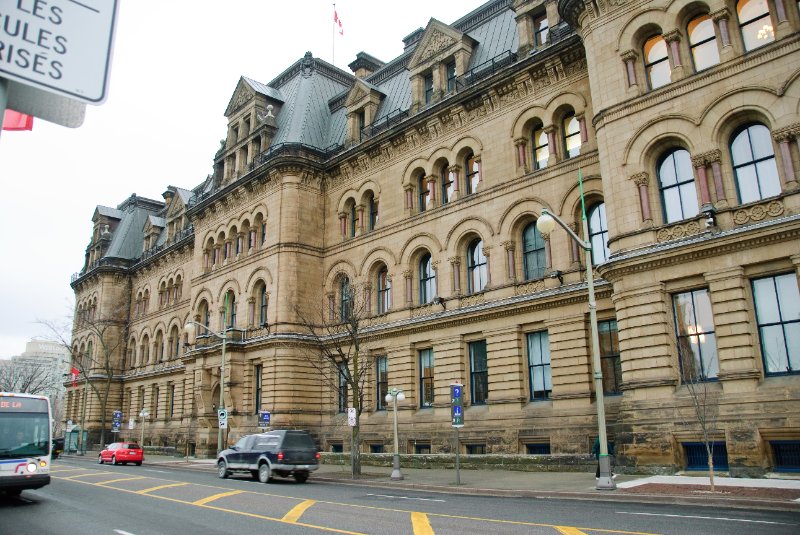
<point x="574" y="92"/>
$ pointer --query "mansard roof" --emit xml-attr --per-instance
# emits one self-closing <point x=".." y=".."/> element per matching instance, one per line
<point x="127" y="239"/>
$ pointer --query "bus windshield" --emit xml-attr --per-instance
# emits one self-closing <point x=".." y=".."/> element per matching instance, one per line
<point x="24" y="433"/>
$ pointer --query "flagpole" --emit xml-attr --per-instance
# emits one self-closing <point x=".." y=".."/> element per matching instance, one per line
<point x="333" y="38"/>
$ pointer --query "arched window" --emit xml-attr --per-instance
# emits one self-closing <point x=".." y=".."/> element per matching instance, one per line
<point x="533" y="253"/>
<point x="541" y="150"/>
<point x="89" y="356"/>
<point x="204" y="315"/>
<point x="676" y="183"/>
<point x="262" y="306"/>
<point x="476" y="266"/>
<point x="353" y="220"/>
<point x="372" y="207"/>
<point x="145" y="350"/>
<point x="572" y="136"/>
<point x="656" y="62"/>
<point x="422" y="187"/>
<point x="448" y="185"/>
<point x="473" y="173"/>
<point x="754" y="163"/>
<point x="427" y="280"/>
<point x="755" y="23"/>
<point x="703" y="42"/>
<point x="345" y="299"/>
<point x="228" y="312"/>
<point x="159" y="349"/>
<point x="598" y="233"/>
<point x="174" y="342"/>
<point x="384" y="291"/>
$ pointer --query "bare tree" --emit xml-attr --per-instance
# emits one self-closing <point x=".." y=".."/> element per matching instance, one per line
<point x="99" y="358"/>
<point x="704" y="400"/>
<point x="28" y="377"/>
<point x="337" y="351"/>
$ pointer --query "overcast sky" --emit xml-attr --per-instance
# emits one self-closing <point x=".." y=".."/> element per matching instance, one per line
<point x="175" y="66"/>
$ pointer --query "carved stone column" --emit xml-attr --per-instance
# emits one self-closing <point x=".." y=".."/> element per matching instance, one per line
<point x="487" y="252"/>
<point x="522" y="148"/>
<point x="673" y="39"/>
<point x="575" y="252"/>
<point x="360" y="215"/>
<point x="455" y="172"/>
<point x="629" y="58"/>
<point x="251" y="312"/>
<point x="552" y="159"/>
<point x="407" y="277"/>
<point x="789" y="179"/>
<point x="431" y="180"/>
<point x="721" y="18"/>
<point x="455" y="266"/>
<point x="699" y="164"/>
<point x="548" y="256"/>
<point x="409" y="194"/>
<point x="331" y="305"/>
<point x="343" y="224"/>
<point x="510" y="266"/>
<point x="642" y="180"/>
<point x="714" y="158"/>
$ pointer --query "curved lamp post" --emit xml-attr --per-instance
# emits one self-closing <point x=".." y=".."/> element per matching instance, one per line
<point x="190" y="331"/>
<point x="546" y="223"/>
<point x="393" y="396"/>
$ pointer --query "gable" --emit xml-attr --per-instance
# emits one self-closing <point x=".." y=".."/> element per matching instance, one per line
<point x="361" y="93"/>
<point x="438" y="40"/>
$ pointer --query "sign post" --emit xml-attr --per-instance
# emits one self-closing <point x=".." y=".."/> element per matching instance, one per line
<point x="457" y="421"/>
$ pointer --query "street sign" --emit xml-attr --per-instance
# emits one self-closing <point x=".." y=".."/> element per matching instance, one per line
<point x="116" y="421"/>
<point x="351" y="416"/>
<point x="131" y="423"/>
<point x="60" y="46"/>
<point x="263" y="418"/>
<point x="457" y="404"/>
<point x="69" y="426"/>
<point x="223" y="418"/>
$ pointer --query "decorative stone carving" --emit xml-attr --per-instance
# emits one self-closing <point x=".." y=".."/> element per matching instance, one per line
<point x="529" y="287"/>
<point x="758" y="212"/>
<point x="676" y="232"/>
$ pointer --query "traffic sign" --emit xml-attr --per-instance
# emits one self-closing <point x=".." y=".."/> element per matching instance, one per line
<point x="263" y="418"/>
<point x="60" y="46"/>
<point x="351" y="416"/>
<point x="223" y="418"/>
<point x="457" y="404"/>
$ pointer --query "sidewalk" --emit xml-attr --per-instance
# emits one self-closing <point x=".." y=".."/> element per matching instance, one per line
<point x="766" y="493"/>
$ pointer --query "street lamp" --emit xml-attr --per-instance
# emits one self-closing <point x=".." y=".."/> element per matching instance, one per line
<point x="546" y="223"/>
<point x="143" y="414"/>
<point x="393" y="396"/>
<point x="190" y="331"/>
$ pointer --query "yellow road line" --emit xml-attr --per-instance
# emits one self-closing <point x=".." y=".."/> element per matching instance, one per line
<point x="569" y="530"/>
<point x="216" y="497"/>
<point x="151" y="489"/>
<point x="419" y="521"/>
<point x="118" y="479"/>
<point x="93" y="473"/>
<point x="297" y="511"/>
<point x="59" y="470"/>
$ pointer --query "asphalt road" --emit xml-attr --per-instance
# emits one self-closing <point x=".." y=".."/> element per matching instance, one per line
<point x="86" y="498"/>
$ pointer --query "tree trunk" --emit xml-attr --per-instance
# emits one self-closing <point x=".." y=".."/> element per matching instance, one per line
<point x="355" y="453"/>
<point x="710" y="467"/>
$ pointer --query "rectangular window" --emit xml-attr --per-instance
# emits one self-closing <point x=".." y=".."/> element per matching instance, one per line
<point x="422" y="448"/>
<point x="451" y="76"/>
<point x="479" y="372"/>
<point x="539" y="371"/>
<point x="257" y="373"/>
<point x="337" y="447"/>
<point x="777" y="302"/>
<point x="476" y="449"/>
<point x="428" y="87"/>
<point x="541" y="28"/>
<point x="426" y="378"/>
<point x="538" y="449"/>
<point x="609" y="356"/>
<point x="697" y="343"/>
<point x="381" y="382"/>
<point x="343" y="387"/>
<point x="376" y="448"/>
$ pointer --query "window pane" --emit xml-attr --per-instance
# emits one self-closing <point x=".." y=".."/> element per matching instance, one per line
<point x="773" y="349"/>
<point x="702" y="41"/>
<point x="755" y="23"/>
<point x="766" y="301"/>
<point x="788" y="296"/>
<point x="689" y="200"/>
<point x="761" y="141"/>
<point x="672" y="205"/>
<point x="768" y="180"/>
<point x="656" y="62"/>
<point x="748" y="184"/>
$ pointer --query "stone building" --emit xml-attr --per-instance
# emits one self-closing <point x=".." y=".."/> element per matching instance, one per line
<point x="420" y="180"/>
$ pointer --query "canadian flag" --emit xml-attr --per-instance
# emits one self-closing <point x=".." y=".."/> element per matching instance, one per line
<point x="14" y="120"/>
<point x="74" y="372"/>
<point x="337" y="20"/>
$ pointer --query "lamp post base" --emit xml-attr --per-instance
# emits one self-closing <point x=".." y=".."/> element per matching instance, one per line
<point x="606" y="480"/>
<point x="396" y="475"/>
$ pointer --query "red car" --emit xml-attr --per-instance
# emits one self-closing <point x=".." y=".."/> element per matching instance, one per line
<point x="122" y="453"/>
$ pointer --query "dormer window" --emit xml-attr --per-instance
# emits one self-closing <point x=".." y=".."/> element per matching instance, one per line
<point x="541" y="29"/>
<point x="362" y="122"/>
<point x="428" y="86"/>
<point x="450" y="69"/>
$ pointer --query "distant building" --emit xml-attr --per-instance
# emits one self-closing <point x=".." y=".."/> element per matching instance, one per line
<point x="420" y="181"/>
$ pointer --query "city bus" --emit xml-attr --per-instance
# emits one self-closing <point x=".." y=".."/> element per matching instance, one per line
<point x="25" y="443"/>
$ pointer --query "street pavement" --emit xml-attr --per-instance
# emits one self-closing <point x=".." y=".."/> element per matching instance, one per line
<point x="773" y="492"/>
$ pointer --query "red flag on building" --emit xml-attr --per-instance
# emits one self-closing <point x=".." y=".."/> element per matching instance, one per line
<point x="14" y="120"/>
<point x="337" y="20"/>
<point x="75" y="373"/>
